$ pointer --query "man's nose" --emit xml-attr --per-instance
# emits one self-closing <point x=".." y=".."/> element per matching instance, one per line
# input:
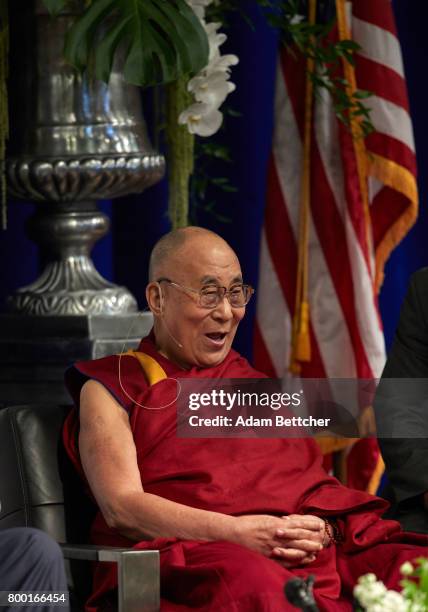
<point x="223" y="310"/>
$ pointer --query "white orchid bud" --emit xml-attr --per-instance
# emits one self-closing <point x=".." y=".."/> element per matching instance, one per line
<point x="407" y="569"/>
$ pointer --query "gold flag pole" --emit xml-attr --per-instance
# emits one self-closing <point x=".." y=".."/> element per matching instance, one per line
<point x="301" y="341"/>
<point x="356" y="131"/>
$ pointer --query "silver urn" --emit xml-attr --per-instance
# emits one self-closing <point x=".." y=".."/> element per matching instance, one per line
<point x="72" y="142"/>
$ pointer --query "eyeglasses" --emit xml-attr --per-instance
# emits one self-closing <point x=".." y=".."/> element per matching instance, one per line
<point x="210" y="296"/>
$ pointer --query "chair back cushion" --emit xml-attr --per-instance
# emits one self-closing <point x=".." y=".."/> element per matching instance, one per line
<point x="31" y="491"/>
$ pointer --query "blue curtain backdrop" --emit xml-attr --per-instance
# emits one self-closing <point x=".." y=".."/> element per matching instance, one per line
<point x="138" y="221"/>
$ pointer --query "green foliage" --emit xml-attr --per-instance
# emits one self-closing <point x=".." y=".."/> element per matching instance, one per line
<point x="221" y="11"/>
<point x="164" y="42"/>
<point x="415" y="588"/>
<point x="161" y="40"/>
<point x="314" y="41"/>
<point x="55" y="6"/>
<point x="202" y="182"/>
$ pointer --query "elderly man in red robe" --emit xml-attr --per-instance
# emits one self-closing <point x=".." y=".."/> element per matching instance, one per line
<point x="234" y="519"/>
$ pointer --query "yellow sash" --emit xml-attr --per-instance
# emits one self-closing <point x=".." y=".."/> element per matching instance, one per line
<point x="151" y="368"/>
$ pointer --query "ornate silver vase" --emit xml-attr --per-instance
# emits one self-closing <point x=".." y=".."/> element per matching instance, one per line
<point x="73" y="141"/>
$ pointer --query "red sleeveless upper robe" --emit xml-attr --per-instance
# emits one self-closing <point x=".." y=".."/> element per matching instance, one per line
<point x="235" y="476"/>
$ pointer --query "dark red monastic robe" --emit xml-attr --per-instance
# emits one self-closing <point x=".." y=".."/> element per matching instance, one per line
<point x="235" y="476"/>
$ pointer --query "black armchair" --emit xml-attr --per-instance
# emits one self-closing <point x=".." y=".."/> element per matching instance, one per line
<point x="32" y="494"/>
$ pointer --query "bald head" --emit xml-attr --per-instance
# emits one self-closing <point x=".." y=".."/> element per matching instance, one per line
<point x="186" y="264"/>
<point x="168" y="251"/>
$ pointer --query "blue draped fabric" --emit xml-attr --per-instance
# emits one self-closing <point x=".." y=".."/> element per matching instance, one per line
<point x="138" y="221"/>
<point x="412" y="253"/>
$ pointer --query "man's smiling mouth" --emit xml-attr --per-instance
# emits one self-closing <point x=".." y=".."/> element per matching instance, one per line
<point x="217" y="337"/>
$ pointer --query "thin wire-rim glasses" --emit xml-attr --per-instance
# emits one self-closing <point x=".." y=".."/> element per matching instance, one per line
<point x="210" y="296"/>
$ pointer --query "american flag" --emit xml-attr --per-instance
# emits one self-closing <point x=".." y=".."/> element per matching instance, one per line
<point x="345" y="261"/>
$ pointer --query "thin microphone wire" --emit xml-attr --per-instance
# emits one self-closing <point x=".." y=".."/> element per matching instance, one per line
<point x="120" y="375"/>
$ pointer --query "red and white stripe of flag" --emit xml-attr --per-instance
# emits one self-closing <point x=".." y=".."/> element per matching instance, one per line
<point x="345" y="327"/>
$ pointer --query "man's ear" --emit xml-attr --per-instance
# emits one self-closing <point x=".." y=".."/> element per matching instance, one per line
<point x="155" y="298"/>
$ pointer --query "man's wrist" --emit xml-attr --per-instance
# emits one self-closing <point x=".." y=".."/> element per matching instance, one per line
<point x="223" y="527"/>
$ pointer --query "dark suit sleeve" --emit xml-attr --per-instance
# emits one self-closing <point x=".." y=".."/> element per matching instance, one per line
<point x="401" y="406"/>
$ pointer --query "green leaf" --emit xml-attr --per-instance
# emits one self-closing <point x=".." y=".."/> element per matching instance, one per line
<point x="367" y="127"/>
<point x="349" y="45"/>
<point x="219" y="181"/>
<point x="215" y="150"/>
<point x="358" y="112"/>
<point x="81" y="35"/>
<point x="146" y="63"/>
<point x="55" y="6"/>
<point x="162" y="39"/>
<point x="349" y="58"/>
<point x="361" y="94"/>
<point x="104" y="54"/>
<point x="228" y="188"/>
<point x="231" y="112"/>
<point x="180" y="31"/>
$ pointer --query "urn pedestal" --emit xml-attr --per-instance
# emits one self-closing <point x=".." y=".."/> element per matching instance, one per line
<point x="35" y="351"/>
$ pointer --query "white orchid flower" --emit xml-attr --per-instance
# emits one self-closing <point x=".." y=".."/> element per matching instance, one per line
<point x="201" y="119"/>
<point x="391" y="602"/>
<point x="210" y="86"/>
<point x="394" y="602"/>
<point x="222" y="63"/>
<point x="212" y="89"/>
<point x="198" y="7"/>
<point x="199" y="12"/>
<point x="369" y="591"/>
<point x="203" y="3"/>
<point x="215" y="40"/>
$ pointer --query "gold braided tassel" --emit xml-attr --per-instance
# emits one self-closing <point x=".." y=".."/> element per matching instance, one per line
<point x="303" y="338"/>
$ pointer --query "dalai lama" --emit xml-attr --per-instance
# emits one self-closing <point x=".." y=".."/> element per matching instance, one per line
<point x="234" y="519"/>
